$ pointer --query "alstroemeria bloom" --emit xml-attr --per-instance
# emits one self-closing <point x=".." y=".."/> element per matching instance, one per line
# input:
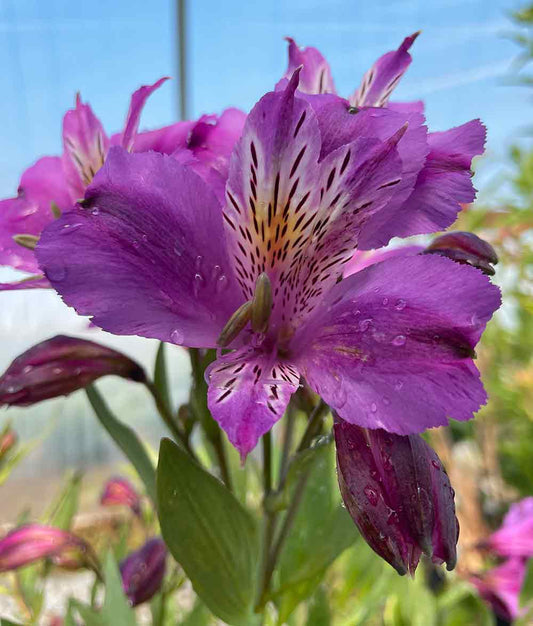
<point x="153" y="252"/>
<point x="119" y="491"/>
<point x="32" y="542"/>
<point x="515" y="537"/>
<point x="500" y="588"/>
<point x="53" y="184"/>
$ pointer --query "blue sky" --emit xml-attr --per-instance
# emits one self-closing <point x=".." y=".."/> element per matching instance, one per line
<point x="51" y="49"/>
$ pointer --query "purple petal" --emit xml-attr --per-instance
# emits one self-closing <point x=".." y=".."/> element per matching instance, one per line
<point x="381" y="79"/>
<point x="392" y="346"/>
<point x="40" y="185"/>
<point x="248" y="393"/>
<point x="85" y="147"/>
<point x="515" y="537"/>
<point x="519" y="512"/>
<point x="500" y="588"/>
<point x="119" y="491"/>
<point x="146" y="255"/>
<point x="164" y="140"/>
<point x="143" y="571"/>
<point x="315" y="76"/>
<point x="138" y="100"/>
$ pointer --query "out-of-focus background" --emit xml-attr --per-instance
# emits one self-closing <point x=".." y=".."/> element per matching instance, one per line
<point x="233" y="52"/>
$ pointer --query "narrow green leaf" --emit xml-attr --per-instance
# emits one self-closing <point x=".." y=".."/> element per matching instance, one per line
<point x="116" y="609"/>
<point x="210" y="534"/>
<point x="319" y="612"/>
<point x="526" y="591"/>
<point x="89" y="616"/>
<point x="199" y="616"/>
<point x="161" y="376"/>
<point x="62" y="511"/>
<point x="126" y="439"/>
<point x="7" y="622"/>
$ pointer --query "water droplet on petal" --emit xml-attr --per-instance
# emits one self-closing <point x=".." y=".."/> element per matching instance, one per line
<point x="436" y="338"/>
<point x="217" y="270"/>
<point x="435" y="464"/>
<point x="198" y="262"/>
<point x="198" y="283"/>
<point x="176" y="336"/>
<point x="400" y="305"/>
<point x="385" y="301"/>
<point x="57" y="371"/>
<point x="386" y="401"/>
<point x="398" y="385"/>
<point x="144" y="238"/>
<point x="68" y="229"/>
<point x="364" y="325"/>
<point x="135" y="243"/>
<point x="399" y="340"/>
<point x="393" y="518"/>
<point x="372" y="495"/>
<point x="27" y="369"/>
<point x="374" y="407"/>
<point x="221" y="284"/>
<point x="95" y="211"/>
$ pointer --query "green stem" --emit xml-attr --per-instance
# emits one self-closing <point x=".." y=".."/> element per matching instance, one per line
<point x="166" y="416"/>
<point x="270" y="517"/>
<point x="287" y="443"/>
<point x="313" y="425"/>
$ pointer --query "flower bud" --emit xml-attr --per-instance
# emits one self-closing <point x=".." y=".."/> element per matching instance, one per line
<point x="143" y="571"/>
<point x="118" y="490"/>
<point x="32" y="542"/>
<point x="398" y="494"/>
<point x="59" y="366"/>
<point x="8" y="439"/>
<point x="465" y="248"/>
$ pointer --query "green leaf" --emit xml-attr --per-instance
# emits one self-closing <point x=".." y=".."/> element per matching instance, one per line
<point x="319" y="613"/>
<point x="526" y="591"/>
<point x="89" y="616"/>
<point x="126" y="439"/>
<point x="116" y="609"/>
<point x="209" y="533"/>
<point x="62" y="511"/>
<point x="7" y="622"/>
<point x="199" y="616"/>
<point x="161" y="376"/>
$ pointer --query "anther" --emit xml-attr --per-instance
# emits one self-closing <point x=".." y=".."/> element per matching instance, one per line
<point x="235" y="324"/>
<point x="26" y="241"/>
<point x="261" y="303"/>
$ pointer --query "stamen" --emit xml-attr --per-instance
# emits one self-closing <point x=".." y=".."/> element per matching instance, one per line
<point x="26" y="241"/>
<point x="235" y="324"/>
<point x="56" y="211"/>
<point x="261" y="304"/>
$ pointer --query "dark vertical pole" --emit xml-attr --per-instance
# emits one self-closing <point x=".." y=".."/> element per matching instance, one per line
<point x="181" y="35"/>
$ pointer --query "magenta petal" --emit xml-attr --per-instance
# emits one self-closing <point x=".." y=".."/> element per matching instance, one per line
<point x="392" y="345"/>
<point x="365" y="258"/>
<point x="515" y="537"/>
<point x="248" y="393"/>
<point x="138" y="100"/>
<point x="381" y="79"/>
<point x="85" y="147"/>
<point x="500" y="588"/>
<point x="315" y="77"/>
<point x="28" y="213"/>
<point x="147" y="254"/>
<point x="164" y="140"/>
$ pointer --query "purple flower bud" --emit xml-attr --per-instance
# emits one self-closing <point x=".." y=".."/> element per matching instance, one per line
<point x="465" y="248"/>
<point x="398" y="494"/>
<point x="118" y="490"/>
<point x="59" y="366"/>
<point x="32" y="542"/>
<point x="143" y="571"/>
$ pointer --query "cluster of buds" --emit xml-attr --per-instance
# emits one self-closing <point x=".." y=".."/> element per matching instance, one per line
<point x="398" y="494"/>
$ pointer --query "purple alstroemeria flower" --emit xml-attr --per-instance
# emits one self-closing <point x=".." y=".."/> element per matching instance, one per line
<point x="143" y="571"/>
<point x="59" y="366"/>
<point x="500" y="588"/>
<point x="398" y="494"/>
<point x="515" y="537"/>
<point x="54" y="184"/>
<point x="33" y="542"/>
<point x="153" y="252"/>
<point x="119" y="491"/>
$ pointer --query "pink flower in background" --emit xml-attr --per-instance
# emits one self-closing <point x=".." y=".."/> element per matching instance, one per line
<point x="53" y="184"/>
<point x="515" y="537"/>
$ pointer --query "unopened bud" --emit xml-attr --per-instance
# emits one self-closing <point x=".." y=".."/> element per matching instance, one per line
<point x="59" y="366"/>
<point x="398" y="495"/>
<point x="261" y="304"/>
<point x="8" y="439"/>
<point x="26" y="241"/>
<point x="235" y="324"/>
<point x="467" y="248"/>
<point x="143" y="571"/>
<point x="119" y="491"/>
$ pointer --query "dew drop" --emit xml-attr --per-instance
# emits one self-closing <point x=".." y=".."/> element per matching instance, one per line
<point x="221" y="284"/>
<point x="364" y="325"/>
<point x="399" y="340"/>
<point x="436" y="338"/>
<point x="176" y="336"/>
<point x="197" y="284"/>
<point x="198" y="262"/>
<point x="95" y="211"/>
<point x="435" y="464"/>
<point x="217" y="270"/>
<point x="144" y="238"/>
<point x="393" y="518"/>
<point x="27" y="369"/>
<point x="372" y="495"/>
<point x="385" y="301"/>
<point x="400" y="305"/>
<point x="57" y="371"/>
<point x="374" y="407"/>
<point x="386" y="401"/>
<point x="135" y="243"/>
<point x="68" y="229"/>
<point x="56" y="273"/>
<point x="398" y="385"/>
